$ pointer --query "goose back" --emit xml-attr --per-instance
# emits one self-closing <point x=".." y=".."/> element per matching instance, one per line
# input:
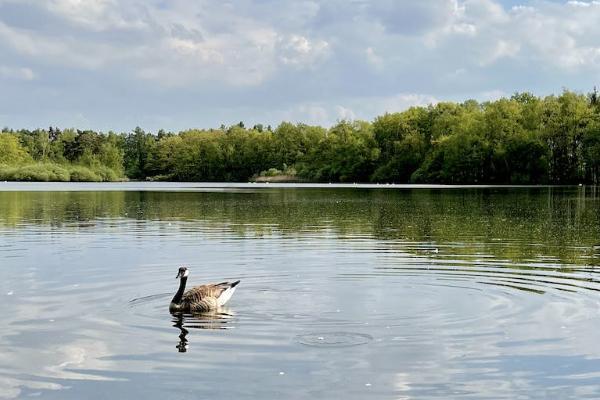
<point x="205" y="297"/>
<point x="211" y="290"/>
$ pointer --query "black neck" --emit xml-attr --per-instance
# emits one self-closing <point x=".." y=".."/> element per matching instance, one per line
<point x="179" y="294"/>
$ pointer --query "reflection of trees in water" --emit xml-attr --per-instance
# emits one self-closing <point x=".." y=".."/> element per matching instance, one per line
<point x="500" y="222"/>
<point x="210" y="320"/>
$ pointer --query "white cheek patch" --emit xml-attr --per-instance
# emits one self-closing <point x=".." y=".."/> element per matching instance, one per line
<point x="186" y="273"/>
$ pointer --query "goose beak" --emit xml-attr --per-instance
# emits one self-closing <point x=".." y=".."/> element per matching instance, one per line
<point x="178" y="275"/>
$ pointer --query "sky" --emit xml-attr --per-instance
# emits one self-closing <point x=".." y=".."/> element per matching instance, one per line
<point x="178" y="64"/>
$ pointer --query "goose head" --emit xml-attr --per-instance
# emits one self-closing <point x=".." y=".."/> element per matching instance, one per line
<point x="182" y="273"/>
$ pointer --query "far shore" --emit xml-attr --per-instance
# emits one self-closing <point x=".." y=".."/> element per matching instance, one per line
<point x="145" y="186"/>
<point x="278" y="179"/>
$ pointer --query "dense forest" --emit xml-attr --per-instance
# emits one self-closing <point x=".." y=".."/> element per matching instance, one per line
<point x="524" y="139"/>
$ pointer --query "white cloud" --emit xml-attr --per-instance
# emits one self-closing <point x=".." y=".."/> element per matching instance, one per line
<point x="499" y="50"/>
<point x="583" y="3"/>
<point x="96" y="15"/>
<point x="66" y="51"/>
<point x="364" y="108"/>
<point x="561" y="36"/>
<point x="401" y="102"/>
<point x="28" y="43"/>
<point x="344" y="113"/>
<point x="486" y="11"/>
<point x="373" y="58"/>
<point x="492" y="95"/>
<point x="464" y="28"/>
<point x="19" y="73"/>
<point x="232" y="59"/>
<point x="313" y="114"/>
<point x="214" y="55"/>
<point x="300" y="52"/>
<point x="414" y="17"/>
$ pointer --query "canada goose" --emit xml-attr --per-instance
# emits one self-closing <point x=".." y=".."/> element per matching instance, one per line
<point x="200" y="298"/>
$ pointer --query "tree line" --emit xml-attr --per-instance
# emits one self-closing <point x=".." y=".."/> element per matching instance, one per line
<point x="524" y="139"/>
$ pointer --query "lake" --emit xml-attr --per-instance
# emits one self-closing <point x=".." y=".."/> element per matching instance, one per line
<point x="347" y="291"/>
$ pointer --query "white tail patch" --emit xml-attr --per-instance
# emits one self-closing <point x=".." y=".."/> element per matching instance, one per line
<point x="225" y="296"/>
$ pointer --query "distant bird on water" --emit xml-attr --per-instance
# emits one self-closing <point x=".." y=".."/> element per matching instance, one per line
<point x="200" y="298"/>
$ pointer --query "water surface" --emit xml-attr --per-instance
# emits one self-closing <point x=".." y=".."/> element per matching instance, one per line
<point x="347" y="292"/>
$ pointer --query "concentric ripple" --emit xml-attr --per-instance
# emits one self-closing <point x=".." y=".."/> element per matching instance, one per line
<point x="354" y="294"/>
<point x="334" y="339"/>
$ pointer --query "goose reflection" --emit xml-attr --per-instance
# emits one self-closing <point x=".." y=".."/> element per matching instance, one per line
<point x="218" y="319"/>
<point x="183" y="342"/>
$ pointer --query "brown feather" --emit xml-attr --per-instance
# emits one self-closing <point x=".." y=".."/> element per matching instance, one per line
<point x="199" y="293"/>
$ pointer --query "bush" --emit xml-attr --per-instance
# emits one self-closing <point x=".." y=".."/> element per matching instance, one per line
<point x="51" y="172"/>
<point x="271" y="172"/>
<point x="83" y="174"/>
<point x="58" y="173"/>
<point x="6" y="172"/>
<point x="35" y="173"/>
<point x="106" y="174"/>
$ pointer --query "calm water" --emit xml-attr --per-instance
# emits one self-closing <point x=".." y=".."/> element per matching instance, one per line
<point x="355" y="293"/>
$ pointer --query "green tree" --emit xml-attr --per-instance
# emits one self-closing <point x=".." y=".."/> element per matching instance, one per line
<point x="11" y="151"/>
<point x="591" y="152"/>
<point x="347" y="153"/>
<point x="139" y="147"/>
<point x="457" y="159"/>
<point x="564" y="121"/>
<point x="403" y="139"/>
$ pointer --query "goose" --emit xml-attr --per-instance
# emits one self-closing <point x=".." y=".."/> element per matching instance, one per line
<point x="200" y="298"/>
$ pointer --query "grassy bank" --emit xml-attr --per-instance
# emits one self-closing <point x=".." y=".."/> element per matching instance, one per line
<point x="53" y="172"/>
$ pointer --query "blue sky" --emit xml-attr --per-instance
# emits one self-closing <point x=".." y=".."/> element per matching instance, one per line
<point x="176" y="64"/>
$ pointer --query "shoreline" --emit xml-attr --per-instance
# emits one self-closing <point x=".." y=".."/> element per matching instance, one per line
<point x="13" y="186"/>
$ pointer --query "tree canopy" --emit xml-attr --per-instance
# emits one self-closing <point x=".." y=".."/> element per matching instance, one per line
<point x="523" y="139"/>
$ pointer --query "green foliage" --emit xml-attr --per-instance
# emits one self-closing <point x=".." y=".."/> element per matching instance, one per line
<point x="52" y="172"/>
<point x="138" y="148"/>
<point x="457" y="159"/>
<point x="272" y="172"/>
<point x="346" y="154"/>
<point x="523" y="139"/>
<point x="52" y="155"/>
<point x="526" y="160"/>
<point x="83" y="174"/>
<point x="591" y="152"/>
<point x="105" y="173"/>
<point x="42" y="172"/>
<point x="292" y="142"/>
<point x="195" y="156"/>
<point x="11" y="151"/>
<point x="404" y="139"/>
